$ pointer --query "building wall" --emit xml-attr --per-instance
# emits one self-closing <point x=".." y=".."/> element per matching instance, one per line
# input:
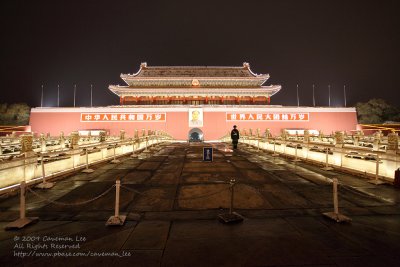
<point x="215" y="123"/>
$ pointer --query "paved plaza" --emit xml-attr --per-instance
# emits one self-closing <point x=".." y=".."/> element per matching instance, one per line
<point x="172" y="200"/>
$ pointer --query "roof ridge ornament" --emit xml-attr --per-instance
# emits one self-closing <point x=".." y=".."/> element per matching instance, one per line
<point x="143" y="65"/>
<point x="246" y="65"/>
<point x="195" y="82"/>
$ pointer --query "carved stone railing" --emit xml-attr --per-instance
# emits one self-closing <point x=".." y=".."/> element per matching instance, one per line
<point x="26" y="165"/>
<point x="334" y="150"/>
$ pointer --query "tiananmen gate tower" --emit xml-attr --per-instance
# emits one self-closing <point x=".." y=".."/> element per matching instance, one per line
<point x="193" y="102"/>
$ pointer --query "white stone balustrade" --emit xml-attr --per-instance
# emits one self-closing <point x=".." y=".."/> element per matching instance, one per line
<point x="338" y="149"/>
<point x="26" y="166"/>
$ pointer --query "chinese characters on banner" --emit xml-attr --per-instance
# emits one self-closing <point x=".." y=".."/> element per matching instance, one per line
<point x="123" y="117"/>
<point x="267" y="116"/>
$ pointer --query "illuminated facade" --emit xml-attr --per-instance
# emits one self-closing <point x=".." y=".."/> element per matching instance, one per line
<point x="187" y="102"/>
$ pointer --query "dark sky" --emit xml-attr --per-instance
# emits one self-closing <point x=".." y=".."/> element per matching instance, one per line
<point x="352" y="43"/>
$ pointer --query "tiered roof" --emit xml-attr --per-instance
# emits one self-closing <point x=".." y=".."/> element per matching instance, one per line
<point x="199" y="80"/>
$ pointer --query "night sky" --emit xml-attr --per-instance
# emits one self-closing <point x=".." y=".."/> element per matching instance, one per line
<point x="336" y="43"/>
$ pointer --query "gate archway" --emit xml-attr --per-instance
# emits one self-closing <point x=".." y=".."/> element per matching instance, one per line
<point x="196" y="135"/>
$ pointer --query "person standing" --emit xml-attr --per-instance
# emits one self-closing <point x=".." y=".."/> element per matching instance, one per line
<point x="235" y="137"/>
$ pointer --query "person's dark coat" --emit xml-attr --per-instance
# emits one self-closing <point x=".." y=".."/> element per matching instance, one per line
<point x="235" y="136"/>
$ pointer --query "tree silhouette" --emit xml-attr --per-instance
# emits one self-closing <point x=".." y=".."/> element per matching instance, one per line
<point x="377" y="111"/>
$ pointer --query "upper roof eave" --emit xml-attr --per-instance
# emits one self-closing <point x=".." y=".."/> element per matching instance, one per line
<point x="190" y="72"/>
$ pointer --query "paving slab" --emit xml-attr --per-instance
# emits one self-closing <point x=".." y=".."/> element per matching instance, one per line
<point x="164" y="178"/>
<point x="148" y="235"/>
<point x="136" y="177"/>
<point x="156" y="198"/>
<point x="149" y="165"/>
<point x="212" y="196"/>
<point x="172" y="200"/>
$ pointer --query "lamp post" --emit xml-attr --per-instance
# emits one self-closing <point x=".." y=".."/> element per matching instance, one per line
<point x="91" y="95"/>
<point x="58" y="95"/>
<point x="74" y="93"/>
<point x="41" y="98"/>
<point x="329" y="95"/>
<point x="313" y="95"/>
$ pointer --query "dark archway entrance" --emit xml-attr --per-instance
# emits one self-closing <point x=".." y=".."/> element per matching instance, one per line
<point x="196" y="135"/>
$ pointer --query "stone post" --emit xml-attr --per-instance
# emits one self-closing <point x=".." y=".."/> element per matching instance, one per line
<point x="393" y="143"/>
<point x="267" y="133"/>
<point x="377" y="139"/>
<point x="26" y="143"/>
<point x="30" y="164"/>
<point x="102" y="139"/>
<point x="356" y="138"/>
<point x="143" y="132"/>
<point x="391" y="162"/>
<point x="42" y="142"/>
<point x="284" y="134"/>
<point x="338" y="139"/>
<point x="74" y="144"/>
<point x="320" y="135"/>
<point x="62" y="140"/>
<point x="306" y="138"/>
<point x="122" y="134"/>
<point x="306" y="141"/>
<point x="74" y="139"/>
<point x="102" y="136"/>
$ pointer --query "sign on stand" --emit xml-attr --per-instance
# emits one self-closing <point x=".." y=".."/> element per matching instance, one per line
<point x="207" y="154"/>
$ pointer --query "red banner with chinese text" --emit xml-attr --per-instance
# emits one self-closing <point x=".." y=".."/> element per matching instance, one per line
<point x="123" y="117"/>
<point x="267" y="116"/>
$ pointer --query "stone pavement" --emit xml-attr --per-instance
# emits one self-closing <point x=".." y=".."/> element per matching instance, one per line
<point x="172" y="199"/>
